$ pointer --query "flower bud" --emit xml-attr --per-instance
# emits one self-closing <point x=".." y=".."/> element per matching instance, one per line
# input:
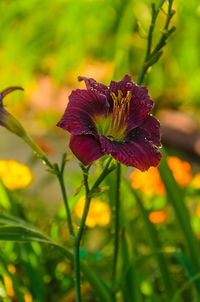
<point x="6" y="119"/>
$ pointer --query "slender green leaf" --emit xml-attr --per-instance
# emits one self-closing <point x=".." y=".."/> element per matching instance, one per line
<point x="4" y="198"/>
<point x="21" y="233"/>
<point x="176" y="198"/>
<point x="129" y="275"/>
<point x="184" y="286"/>
<point x="7" y="219"/>
<point x="184" y="261"/>
<point x="156" y="245"/>
<point x="16" y="286"/>
<point x="34" y="270"/>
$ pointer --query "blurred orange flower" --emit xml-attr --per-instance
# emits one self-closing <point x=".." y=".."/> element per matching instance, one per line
<point x="150" y="181"/>
<point x="15" y="175"/>
<point x="181" y="170"/>
<point x="99" y="212"/>
<point x="157" y="216"/>
<point x="198" y="210"/>
<point x="45" y="146"/>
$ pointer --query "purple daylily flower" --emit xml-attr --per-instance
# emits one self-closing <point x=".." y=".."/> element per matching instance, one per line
<point x="113" y="120"/>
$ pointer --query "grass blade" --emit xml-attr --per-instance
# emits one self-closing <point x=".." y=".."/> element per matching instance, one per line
<point x="20" y="233"/>
<point x="176" y="198"/>
<point x="156" y="246"/>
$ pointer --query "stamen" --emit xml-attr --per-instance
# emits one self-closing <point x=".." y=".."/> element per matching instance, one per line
<point x="115" y="125"/>
<point x="120" y="113"/>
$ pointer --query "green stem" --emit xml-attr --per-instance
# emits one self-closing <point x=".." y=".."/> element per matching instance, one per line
<point x="152" y="57"/>
<point x="88" y="195"/>
<point x="103" y="174"/>
<point x="64" y="195"/>
<point x="141" y="76"/>
<point x="98" y="286"/>
<point x="28" y="140"/>
<point x="60" y="175"/>
<point x="116" y="214"/>
<point x="79" y="236"/>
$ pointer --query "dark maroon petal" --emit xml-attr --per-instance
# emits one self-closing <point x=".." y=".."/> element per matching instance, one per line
<point x="82" y="106"/>
<point x="140" y="154"/>
<point x="151" y="128"/>
<point x="140" y="105"/>
<point x="86" y="148"/>
<point x="124" y="85"/>
<point x="93" y="84"/>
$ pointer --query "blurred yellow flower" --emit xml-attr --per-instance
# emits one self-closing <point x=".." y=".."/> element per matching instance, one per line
<point x="11" y="269"/>
<point x="157" y="216"/>
<point x="196" y="181"/>
<point x="99" y="212"/>
<point x="28" y="297"/>
<point x="9" y="286"/>
<point x="15" y="175"/>
<point x="150" y="181"/>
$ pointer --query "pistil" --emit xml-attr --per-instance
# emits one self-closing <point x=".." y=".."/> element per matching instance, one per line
<point x="114" y="125"/>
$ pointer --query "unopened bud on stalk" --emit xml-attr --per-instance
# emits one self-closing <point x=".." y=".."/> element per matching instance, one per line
<point x="8" y="121"/>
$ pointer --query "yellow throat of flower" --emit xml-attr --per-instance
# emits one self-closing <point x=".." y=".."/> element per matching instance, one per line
<point x="114" y="125"/>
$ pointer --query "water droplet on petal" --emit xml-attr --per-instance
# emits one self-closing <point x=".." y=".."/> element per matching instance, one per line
<point x="95" y="86"/>
<point x="129" y="86"/>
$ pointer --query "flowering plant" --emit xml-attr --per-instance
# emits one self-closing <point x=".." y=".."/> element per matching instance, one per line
<point x="112" y="123"/>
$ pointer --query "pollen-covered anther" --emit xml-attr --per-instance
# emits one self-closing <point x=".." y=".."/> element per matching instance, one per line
<point x="120" y="100"/>
<point x="120" y="115"/>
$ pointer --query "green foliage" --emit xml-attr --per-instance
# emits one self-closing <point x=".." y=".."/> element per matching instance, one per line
<point x="156" y="262"/>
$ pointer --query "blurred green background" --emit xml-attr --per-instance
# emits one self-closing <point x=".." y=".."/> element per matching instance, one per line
<point x="44" y="46"/>
<point x="50" y="43"/>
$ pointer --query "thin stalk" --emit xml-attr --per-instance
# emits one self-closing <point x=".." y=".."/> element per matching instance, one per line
<point x="58" y="172"/>
<point x="152" y="56"/>
<point x="141" y="75"/>
<point x="117" y="216"/>
<point x="88" y="196"/>
<point x="28" y="140"/>
<point x="103" y="175"/>
<point x="65" y="199"/>
<point x="60" y="175"/>
<point x="79" y="236"/>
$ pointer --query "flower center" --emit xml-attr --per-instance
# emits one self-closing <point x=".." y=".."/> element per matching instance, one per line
<point x="114" y="125"/>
